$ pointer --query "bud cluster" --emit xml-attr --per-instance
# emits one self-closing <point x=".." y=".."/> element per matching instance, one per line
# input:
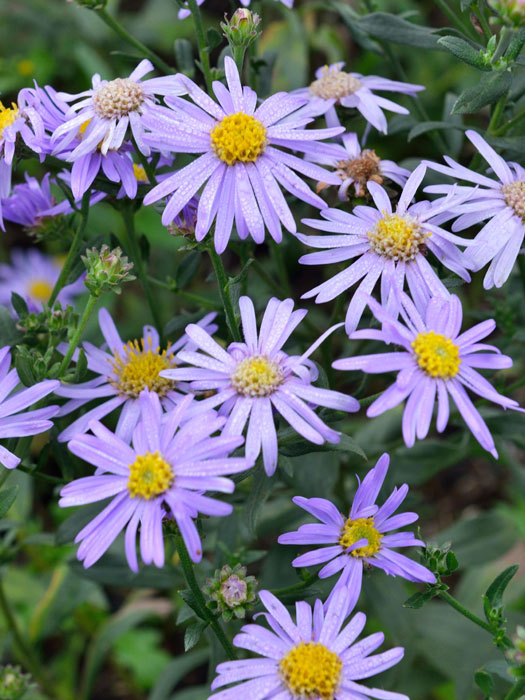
<point x="13" y="683"/>
<point x="231" y="592"/>
<point x="107" y="270"/>
<point x="241" y="29"/>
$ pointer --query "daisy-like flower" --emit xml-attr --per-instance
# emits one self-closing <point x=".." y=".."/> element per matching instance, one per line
<point x="357" y="167"/>
<point x="313" y="658"/>
<point x="12" y="422"/>
<point x="390" y="245"/>
<point x="500" y="199"/>
<point x="183" y="12"/>
<point x="33" y="275"/>
<point x="436" y="362"/>
<point x="107" y="110"/>
<point x="242" y="162"/>
<point x="333" y="86"/>
<point x="123" y="371"/>
<point x="363" y="538"/>
<point x="165" y="473"/>
<point x="255" y="378"/>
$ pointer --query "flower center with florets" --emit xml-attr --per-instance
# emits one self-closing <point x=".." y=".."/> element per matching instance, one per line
<point x="334" y="84"/>
<point x="238" y="138"/>
<point x="234" y="591"/>
<point x="514" y="196"/>
<point x="361" y="169"/>
<point x="257" y="376"/>
<point x="437" y="355"/>
<point x="118" y="98"/>
<point x="149" y="476"/>
<point x="361" y="529"/>
<point x="40" y="290"/>
<point x="397" y="237"/>
<point x="311" y="671"/>
<point x="138" y="368"/>
<point x="8" y="116"/>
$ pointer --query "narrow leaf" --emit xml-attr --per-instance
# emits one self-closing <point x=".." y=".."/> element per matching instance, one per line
<point x="7" y="498"/>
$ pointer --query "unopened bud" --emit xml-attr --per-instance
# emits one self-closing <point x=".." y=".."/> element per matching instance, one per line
<point x="231" y="592"/>
<point x="107" y="270"/>
<point x="242" y="28"/>
<point x="13" y="683"/>
<point x="517" y="654"/>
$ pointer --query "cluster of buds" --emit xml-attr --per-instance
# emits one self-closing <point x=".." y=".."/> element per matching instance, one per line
<point x="231" y="592"/>
<point x="107" y="270"/>
<point x="242" y="29"/>
<point x="13" y="683"/>
<point x="440" y="560"/>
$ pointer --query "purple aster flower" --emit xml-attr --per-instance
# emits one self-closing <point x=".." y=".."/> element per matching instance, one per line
<point x="390" y="245"/>
<point x="333" y="86"/>
<point x="183" y="13"/>
<point x="255" y="378"/>
<point x="164" y="473"/>
<point x="435" y="362"/>
<point x="33" y="275"/>
<point x="500" y="199"/>
<point x="363" y="538"/>
<point x="185" y="222"/>
<point x="242" y="162"/>
<point x="110" y="107"/>
<point x="313" y="658"/>
<point x="123" y="371"/>
<point x="11" y="403"/>
<point x="357" y="167"/>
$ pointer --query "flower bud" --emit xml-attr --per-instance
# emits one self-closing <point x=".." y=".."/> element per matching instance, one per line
<point x="107" y="270"/>
<point x="511" y="12"/>
<point x="13" y="683"/>
<point x="241" y="29"/>
<point x="231" y="592"/>
<point x="517" y="654"/>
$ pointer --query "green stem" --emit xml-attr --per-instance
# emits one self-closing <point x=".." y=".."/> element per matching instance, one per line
<point x="224" y="293"/>
<point x="74" y="250"/>
<point x="44" y="477"/>
<point x="296" y="587"/>
<point x="277" y="254"/>
<point x="130" y="39"/>
<point x="512" y="122"/>
<point x="75" y="339"/>
<point x="203" y="46"/>
<point x="447" y="10"/>
<point x="517" y="690"/>
<point x="482" y="19"/>
<point x="465" y="612"/>
<point x="238" y="57"/>
<point x="195" y="298"/>
<point x="203" y="611"/>
<point x="497" y="113"/>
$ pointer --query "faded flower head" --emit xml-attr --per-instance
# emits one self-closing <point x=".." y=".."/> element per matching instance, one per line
<point x="107" y="270"/>
<point x="13" y="683"/>
<point x="231" y="592"/>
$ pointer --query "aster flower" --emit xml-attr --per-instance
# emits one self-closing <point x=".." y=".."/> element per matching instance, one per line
<point x="33" y="275"/>
<point x="12" y="422"/>
<point x="501" y="199"/>
<point x="333" y="86"/>
<point x="242" y="163"/>
<point x="107" y="110"/>
<point x="164" y="473"/>
<point x="357" y="167"/>
<point x="363" y="538"/>
<point x="255" y="378"/>
<point x="435" y="362"/>
<point x="123" y="371"/>
<point x="183" y="12"/>
<point x="185" y="222"/>
<point x="390" y="245"/>
<point x="314" y="657"/>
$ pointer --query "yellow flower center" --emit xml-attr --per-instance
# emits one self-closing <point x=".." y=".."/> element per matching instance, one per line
<point x="257" y="376"/>
<point x="311" y="671"/>
<point x="40" y="290"/>
<point x="397" y="237"/>
<point x="437" y="355"/>
<point x="118" y="98"/>
<point x="238" y="138"/>
<point x="361" y="529"/>
<point x="8" y="115"/>
<point x="334" y="84"/>
<point x="140" y="173"/>
<point x="138" y="368"/>
<point x="149" y="476"/>
<point x="514" y="196"/>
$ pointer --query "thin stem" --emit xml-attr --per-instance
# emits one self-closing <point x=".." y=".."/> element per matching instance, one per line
<point x="277" y="254"/>
<point x="296" y="587"/>
<point x="203" y="611"/>
<point x="447" y="10"/>
<point x="195" y="298"/>
<point x="224" y="293"/>
<point x="130" y="39"/>
<point x="73" y="251"/>
<point x="517" y="690"/>
<point x="44" y="477"/>
<point x="203" y="46"/>
<point x="238" y="56"/>
<point x="512" y="122"/>
<point x="480" y="14"/>
<point x="497" y="113"/>
<point x="75" y="339"/>
<point x="465" y="612"/>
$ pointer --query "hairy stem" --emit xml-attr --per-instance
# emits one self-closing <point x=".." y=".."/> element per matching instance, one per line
<point x="224" y="293"/>
<point x="77" y="335"/>
<point x="465" y="612"/>
<point x="517" y="690"/>
<point x="203" y="46"/>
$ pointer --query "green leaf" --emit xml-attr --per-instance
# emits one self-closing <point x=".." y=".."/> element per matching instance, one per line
<point x="24" y="367"/>
<point x="7" y="498"/>
<point x="114" y="571"/>
<point x="423" y="127"/>
<point x="81" y="366"/>
<point x="516" y="45"/>
<point x="489" y="89"/>
<point x="484" y="681"/>
<point x="494" y="593"/>
<point x="175" y="671"/>
<point x="397" y="30"/>
<point x="214" y="38"/>
<point x="419" y="599"/>
<point x="140" y="650"/>
<point x="193" y="634"/>
<point x="9" y="335"/>
<point x="465" y="51"/>
<point x="19" y="304"/>
<point x="465" y="4"/>
<point x="259" y="492"/>
<point x="188" y="269"/>
<point x="190" y="600"/>
<point x="183" y="50"/>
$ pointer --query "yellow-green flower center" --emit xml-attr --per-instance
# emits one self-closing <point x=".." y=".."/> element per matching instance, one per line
<point x="311" y="671"/>
<point x="361" y="529"/>
<point x="137" y="367"/>
<point x="8" y="115"/>
<point x="397" y="237"/>
<point x="334" y="84"/>
<point x="238" y="138"/>
<point x="437" y="355"/>
<point x="514" y="196"/>
<point x="149" y="476"/>
<point x="257" y="376"/>
<point x="118" y="98"/>
<point x="40" y="289"/>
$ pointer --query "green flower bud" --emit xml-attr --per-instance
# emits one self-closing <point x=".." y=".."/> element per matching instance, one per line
<point x="107" y="270"/>
<point x="231" y="592"/>
<point x="517" y="654"/>
<point x="13" y="683"/>
<point x="241" y="30"/>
